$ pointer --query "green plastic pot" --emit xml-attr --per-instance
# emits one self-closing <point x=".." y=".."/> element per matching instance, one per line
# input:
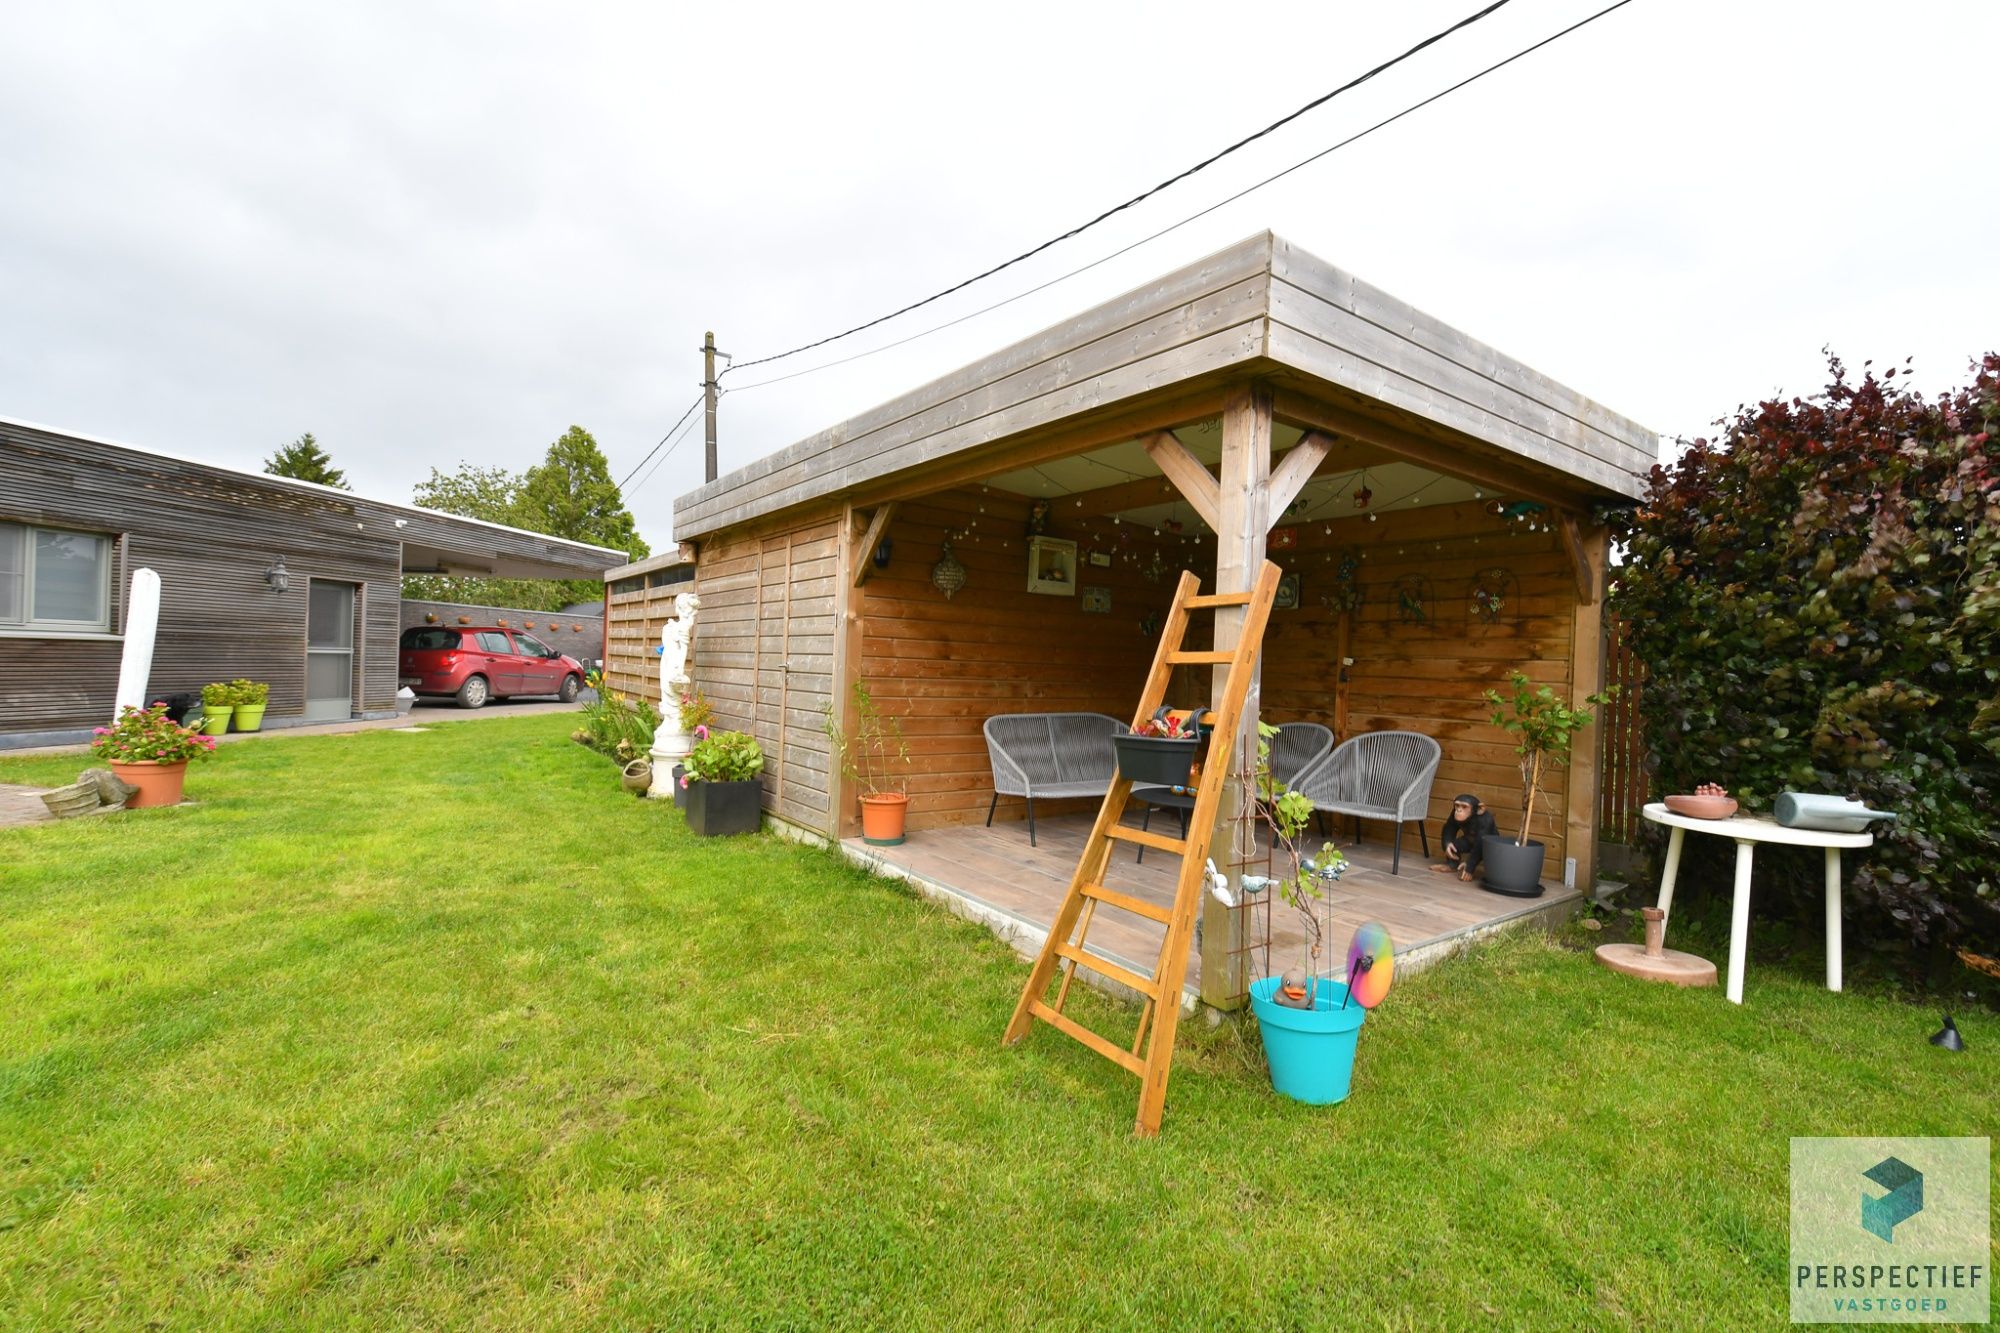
<point x="215" y="720"/>
<point x="250" y="717"/>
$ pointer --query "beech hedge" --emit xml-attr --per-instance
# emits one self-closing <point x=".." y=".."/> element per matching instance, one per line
<point x="1816" y="598"/>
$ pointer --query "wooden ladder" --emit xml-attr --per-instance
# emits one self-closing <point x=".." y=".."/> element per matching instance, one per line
<point x="1152" y="1051"/>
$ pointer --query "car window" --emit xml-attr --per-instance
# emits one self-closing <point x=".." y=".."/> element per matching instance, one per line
<point x="532" y="646"/>
<point x="494" y="642"/>
<point x="429" y="638"/>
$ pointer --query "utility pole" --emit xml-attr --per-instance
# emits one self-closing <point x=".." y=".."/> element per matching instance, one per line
<point x="708" y="401"/>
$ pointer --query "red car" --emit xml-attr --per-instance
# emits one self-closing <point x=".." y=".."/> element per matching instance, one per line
<point x="481" y="663"/>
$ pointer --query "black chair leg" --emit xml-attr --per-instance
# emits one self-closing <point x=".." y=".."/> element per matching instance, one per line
<point x="1396" y="857"/>
<point x="1031" y="821"/>
<point x="1357" y="828"/>
<point x="1319" y="817"/>
<point x="1424" y="838"/>
<point x="1145" y="825"/>
<point x="991" y="807"/>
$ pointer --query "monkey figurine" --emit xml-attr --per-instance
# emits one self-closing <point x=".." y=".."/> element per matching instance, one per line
<point x="1462" y="839"/>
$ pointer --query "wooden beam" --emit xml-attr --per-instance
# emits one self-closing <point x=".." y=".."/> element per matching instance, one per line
<point x="1139" y="493"/>
<point x="1438" y="455"/>
<point x="1195" y="482"/>
<point x="849" y="611"/>
<point x="1579" y="559"/>
<point x="1300" y="465"/>
<point x="1582" y="776"/>
<point x="862" y="560"/>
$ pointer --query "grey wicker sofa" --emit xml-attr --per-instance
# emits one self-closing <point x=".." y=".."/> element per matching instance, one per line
<point x="1383" y="775"/>
<point x="1050" y="755"/>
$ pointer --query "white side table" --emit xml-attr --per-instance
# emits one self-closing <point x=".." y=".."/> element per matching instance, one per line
<point x="1747" y="831"/>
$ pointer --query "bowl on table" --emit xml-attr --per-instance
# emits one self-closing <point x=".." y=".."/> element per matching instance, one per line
<point x="1702" y="807"/>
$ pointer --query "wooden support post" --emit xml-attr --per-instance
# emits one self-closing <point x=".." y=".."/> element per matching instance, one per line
<point x="1298" y="468"/>
<point x="844" y="813"/>
<point x="1586" y="678"/>
<point x="1195" y="483"/>
<point x="1242" y="520"/>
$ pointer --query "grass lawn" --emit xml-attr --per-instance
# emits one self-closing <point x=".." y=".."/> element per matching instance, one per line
<point x="442" y="1029"/>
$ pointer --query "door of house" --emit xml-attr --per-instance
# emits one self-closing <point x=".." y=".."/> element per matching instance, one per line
<point x="329" y="651"/>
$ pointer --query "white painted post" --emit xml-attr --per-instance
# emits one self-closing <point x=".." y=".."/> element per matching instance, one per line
<point x="142" y="627"/>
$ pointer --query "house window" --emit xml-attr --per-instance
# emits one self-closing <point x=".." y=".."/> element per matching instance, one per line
<point x="52" y="580"/>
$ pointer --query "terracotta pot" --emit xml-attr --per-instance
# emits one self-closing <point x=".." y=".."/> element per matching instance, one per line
<point x="158" y="784"/>
<point x="882" y="818"/>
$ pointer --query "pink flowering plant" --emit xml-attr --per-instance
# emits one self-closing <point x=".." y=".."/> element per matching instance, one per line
<point x="148" y="735"/>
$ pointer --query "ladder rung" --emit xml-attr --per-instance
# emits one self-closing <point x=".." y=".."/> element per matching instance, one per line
<point x="1191" y="658"/>
<point x="1116" y="1054"/>
<point x="1219" y="599"/>
<point x="1146" y="838"/>
<point x="1125" y="901"/>
<point x="1143" y="985"/>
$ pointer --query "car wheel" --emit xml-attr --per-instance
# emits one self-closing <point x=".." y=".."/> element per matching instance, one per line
<point x="571" y="687"/>
<point x="474" y="693"/>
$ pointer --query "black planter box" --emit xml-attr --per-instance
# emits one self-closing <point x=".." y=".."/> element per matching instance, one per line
<point x="1155" y="760"/>
<point x="680" y="796"/>
<point x="1511" y="870"/>
<point x="716" y="809"/>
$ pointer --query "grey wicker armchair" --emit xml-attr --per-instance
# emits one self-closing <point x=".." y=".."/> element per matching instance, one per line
<point x="1297" y="747"/>
<point x="1050" y="755"/>
<point x="1382" y="775"/>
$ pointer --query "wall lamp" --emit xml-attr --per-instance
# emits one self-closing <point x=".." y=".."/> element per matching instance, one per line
<point x="883" y="552"/>
<point x="278" y="576"/>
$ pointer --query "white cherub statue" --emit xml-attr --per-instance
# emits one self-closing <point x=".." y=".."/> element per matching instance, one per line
<point x="671" y="742"/>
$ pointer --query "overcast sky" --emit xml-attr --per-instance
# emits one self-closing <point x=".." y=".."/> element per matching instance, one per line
<point x="430" y="232"/>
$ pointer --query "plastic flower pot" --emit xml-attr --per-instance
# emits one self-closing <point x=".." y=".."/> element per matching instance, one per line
<point x="1511" y="870"/>
<point x="215" y="719"/>
<point x="158" y="784"/>
<point x="250" y="717"/>
<point x="1310" y="1051"/>
<point x="1155" y="760"/>
<point x="882" y="818"/>
<point x="718" y="809"/>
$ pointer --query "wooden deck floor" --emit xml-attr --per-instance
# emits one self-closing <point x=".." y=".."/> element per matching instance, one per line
<point x="993" y="875"/>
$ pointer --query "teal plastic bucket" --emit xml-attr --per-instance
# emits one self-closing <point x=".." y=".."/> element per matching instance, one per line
<point x="1311" y="1051"/>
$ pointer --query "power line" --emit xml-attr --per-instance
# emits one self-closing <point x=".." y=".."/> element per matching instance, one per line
<point x="663" y="439"/>
<point x="1136" y="199"/>
<point x="1192" y="217"/>
<point x="678" y="435"/>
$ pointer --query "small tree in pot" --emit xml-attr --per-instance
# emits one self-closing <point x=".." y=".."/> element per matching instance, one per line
<point x="1544" y="727"/>
<point x="720" y="779"/>
<point x="865" y="756"/>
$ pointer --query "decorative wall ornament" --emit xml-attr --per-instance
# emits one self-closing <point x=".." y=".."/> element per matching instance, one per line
<point x="1287" y="598"/>
<point x="1097" y="600"/>
<point x="1492" y="595"/>
<point x="1038" y="518"/>
<point x="1149" y="625"/>
<point x="947" y="575"/>
<point x="1052" y="566"/>
<point x="1414" y="602"/>
<point x="1346" y="594"/>
<point x="1283" y="539"/>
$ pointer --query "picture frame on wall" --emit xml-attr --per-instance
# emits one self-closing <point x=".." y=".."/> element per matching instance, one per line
<point x="1288" y="595"/>
<point x="1052" y="566"/>
<point x="1096" y="600"/>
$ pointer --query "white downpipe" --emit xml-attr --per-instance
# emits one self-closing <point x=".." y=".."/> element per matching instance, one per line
<point x="142" y="626"/>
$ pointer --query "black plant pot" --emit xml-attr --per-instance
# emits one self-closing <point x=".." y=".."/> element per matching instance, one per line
<point x="1155" y="760"/>
<point x="680" y="797"/>
<point x="1514" y="871"/>
<point x="716" y="809"/>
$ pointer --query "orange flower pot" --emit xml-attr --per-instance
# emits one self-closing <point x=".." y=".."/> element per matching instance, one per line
<point x="158" y="784"/>
<point x="882" y="818"/>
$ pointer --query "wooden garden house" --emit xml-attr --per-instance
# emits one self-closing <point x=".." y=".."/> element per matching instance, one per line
<point x="1004" y="540"/>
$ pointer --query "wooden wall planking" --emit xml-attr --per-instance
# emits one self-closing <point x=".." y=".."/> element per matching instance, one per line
<point x="1429" y="676"/>
<point x="944" y="666"/>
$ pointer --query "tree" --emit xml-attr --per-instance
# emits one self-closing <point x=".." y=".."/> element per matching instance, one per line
<point x="304" y="460"/>
<point x="1816" y="598"/>
<point x="570" y="494"/>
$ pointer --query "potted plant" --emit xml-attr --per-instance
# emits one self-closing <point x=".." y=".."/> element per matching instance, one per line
<point x="696" y="713"/>
<point x="720" y="782"/>
<point x="218" y="702"/>
<point x="1161" y="750"/>
<point x="1543" y="727"/>
<point x="251" y="698"/>
<point x="1310" y="1030"/>
<point x="150" y="751"/>
<point x="865" y="756"/>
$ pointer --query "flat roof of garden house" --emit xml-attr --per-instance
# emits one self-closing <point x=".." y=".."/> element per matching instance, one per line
<point x="682" y="554"/>
<point x="1341" y="356"/>
<point x="432" y="542"/>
